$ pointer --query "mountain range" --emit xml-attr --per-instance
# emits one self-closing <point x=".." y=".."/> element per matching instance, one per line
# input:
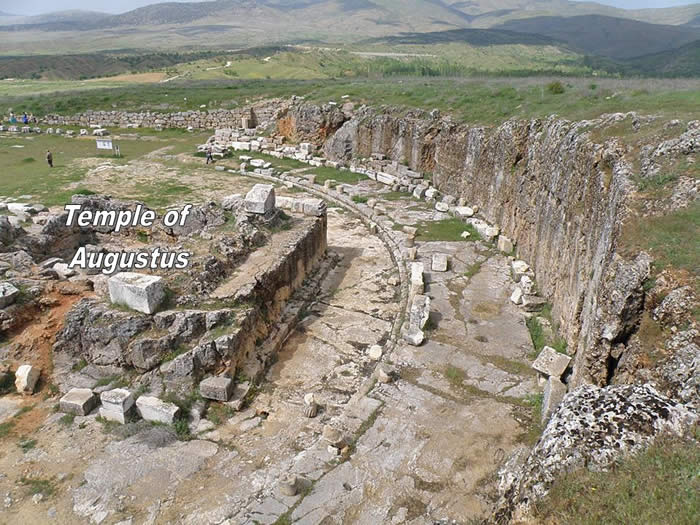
<point x="586" y="28"/>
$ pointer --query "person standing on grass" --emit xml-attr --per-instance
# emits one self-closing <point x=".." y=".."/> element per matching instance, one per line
<point x="49" y="158"/>
<point x="210" y="157"/>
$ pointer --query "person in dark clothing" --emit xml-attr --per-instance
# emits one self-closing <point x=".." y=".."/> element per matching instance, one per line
<point x="49" y="158"/>
<point x="210" y="157"/>
<point x="25" y="119"/>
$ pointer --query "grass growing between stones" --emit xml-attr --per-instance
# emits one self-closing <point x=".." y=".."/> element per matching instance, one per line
<point x="445" y="230"/>
<point x="38" y="486"/>
<point x="659" y="485"/>
<point x="343" y="177"/>
<point x="670" y="239"/>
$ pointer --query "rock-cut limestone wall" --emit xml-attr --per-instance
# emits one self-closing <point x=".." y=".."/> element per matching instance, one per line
<point x="557" y="194"/>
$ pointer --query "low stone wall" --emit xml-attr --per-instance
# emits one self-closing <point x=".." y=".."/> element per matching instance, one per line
<point x="271" y="292"/>
<point x="250" y="116"/>
<point x="109" y="339"/>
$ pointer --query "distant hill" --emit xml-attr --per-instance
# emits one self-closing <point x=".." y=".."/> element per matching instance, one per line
<point x="681" y="62"/>
<point x="474" y="37"/>
<point x="584" y="27"/>
<point x="608" y="36"/>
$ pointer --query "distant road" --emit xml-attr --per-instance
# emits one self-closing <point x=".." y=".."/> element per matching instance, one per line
<point x="394" y="55"/>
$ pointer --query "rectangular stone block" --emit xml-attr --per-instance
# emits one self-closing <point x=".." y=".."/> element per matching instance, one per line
<point x="116" y="405"/>
<point x="554" y="392"/>
<point x="314" y="207"/>
<point x="8" y="294"/>
<point x="385" y="178"/>
<point x="216" y="388"/>
<point x="551" y="363"/>
<point x="260" y="200"/>
<point x="78" y="401"/>
<point x="154" y="409"/>
<point x="140" y="292"/>
<point x="439" y="262"/>
<point x="417" y="283"/>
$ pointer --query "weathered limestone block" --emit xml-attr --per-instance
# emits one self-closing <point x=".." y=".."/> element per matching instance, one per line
<point x="117" y="405"/>
<point x="505" y="245"/>
<point x="216" y="388"/>
<point x="375" y="352"/>
<point x="153" y="409"/>
<point x="487" y="232"/>
<point x="314" y="207"/>
<point x="439" y="262"/>
<point x="8" y="294"/>
<point x="533" y="303"/>
<point x="517" y="296"/>
<point x="26" y="378"/>
<point x="519" y="268"/>
<point x="260" y="200"/>
<point x="418" y="317"/>
<point x="431" y="193"/>
<point x="419" y="191"/>
<point x="143" y="293"/>
<point x="527" y="285"/>
<point x="551" y="363"/>
<point x="420" y="311"/>
<point x="78" y="401"/>
<point x="417" y="284"/>
<point x="442" y="207"/>
<point x="554" y="392"/>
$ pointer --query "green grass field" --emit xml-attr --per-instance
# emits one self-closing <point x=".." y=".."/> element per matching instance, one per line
<point x="478" y="101"/>
<point x="26" y="172"/>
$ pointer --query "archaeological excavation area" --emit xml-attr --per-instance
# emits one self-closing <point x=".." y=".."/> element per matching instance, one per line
<point x="385" y="317"/>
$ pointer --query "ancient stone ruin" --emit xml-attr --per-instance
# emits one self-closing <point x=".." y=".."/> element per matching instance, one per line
<point x="355" y="346"/>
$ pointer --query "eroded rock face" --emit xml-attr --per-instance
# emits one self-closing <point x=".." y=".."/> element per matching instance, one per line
<point x="593" y="427"/>
<point x="556" y="194"/>
<point x="310" y="123"/>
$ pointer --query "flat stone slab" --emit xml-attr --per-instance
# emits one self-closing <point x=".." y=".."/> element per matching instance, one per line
<point x="143" y="293"/>
<point x="153" y="409"/>
<point x="439" y="263"/>
<point x="78" y="401"/>
<point x="551" y="363"/>
<point x="216" y="388"/>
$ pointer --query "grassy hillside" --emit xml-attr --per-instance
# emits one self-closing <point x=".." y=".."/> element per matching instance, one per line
<point x="681" y="62"/>
<point x="236" y="23"/>
<point x="480" y="101"/>
<point x="607" y="36"/>
<point x="78" y="67"/>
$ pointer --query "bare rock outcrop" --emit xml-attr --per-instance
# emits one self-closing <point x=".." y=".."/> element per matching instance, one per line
<point x="592" y="428"/>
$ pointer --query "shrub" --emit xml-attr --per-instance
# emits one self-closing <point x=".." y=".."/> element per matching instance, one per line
<point x="555" y="88"/>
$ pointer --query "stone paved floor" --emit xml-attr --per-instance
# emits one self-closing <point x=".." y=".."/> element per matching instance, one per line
<point x="423" y="447"/>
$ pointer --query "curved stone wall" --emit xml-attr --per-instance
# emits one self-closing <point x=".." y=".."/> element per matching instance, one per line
<point x="558" y="195"/>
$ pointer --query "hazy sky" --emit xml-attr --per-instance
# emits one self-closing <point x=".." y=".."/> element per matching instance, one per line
<point x="33" y="7"/>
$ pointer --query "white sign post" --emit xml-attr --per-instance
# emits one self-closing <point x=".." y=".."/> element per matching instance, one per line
<point x="104" y="144"/>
